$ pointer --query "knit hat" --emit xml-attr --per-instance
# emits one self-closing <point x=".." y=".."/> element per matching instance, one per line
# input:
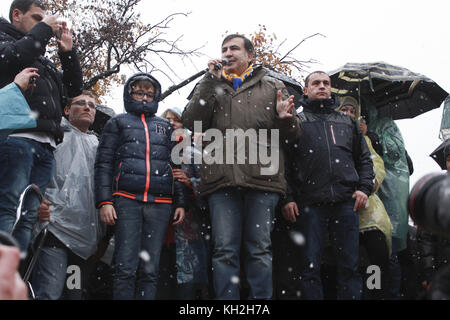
<point x="348" y="100"/>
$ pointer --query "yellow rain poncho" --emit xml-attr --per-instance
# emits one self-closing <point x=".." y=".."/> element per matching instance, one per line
<point x="375" y="214"/>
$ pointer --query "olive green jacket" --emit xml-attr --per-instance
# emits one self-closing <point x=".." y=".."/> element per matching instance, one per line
<point x="250" y="111"/>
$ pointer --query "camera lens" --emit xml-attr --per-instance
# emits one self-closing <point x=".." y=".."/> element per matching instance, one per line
<point x="429" y="203"/>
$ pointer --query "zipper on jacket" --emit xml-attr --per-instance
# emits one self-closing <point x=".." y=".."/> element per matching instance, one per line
<point x="147" y="158"/>
<point x="173" y="181"/>
<point x="329" y="155"/>
<point x="332" y="133"/>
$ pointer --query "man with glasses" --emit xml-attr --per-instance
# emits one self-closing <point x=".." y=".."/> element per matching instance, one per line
<point x="135" y="188"/>
<point x="26" y="156"/>
<point x="68" y="210"/>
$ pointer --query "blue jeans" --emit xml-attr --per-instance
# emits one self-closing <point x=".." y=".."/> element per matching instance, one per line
<point x="342" y="224"/>
<point x="22" y="162"/>
<point x="242" y="216"/>
<point x="51" y="270"/>
<point x="139" y="235"/>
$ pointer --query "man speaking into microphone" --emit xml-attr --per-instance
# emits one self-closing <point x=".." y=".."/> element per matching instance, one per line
<point x="239" y="97"/>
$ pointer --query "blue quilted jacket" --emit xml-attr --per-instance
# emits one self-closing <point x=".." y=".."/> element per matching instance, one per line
<point x="133" y="157"/>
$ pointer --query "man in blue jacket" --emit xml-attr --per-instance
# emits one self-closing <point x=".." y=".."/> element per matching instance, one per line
<point x="26" y="157"/>
<point x="330" y="176"/>
<point x="135" y="188"/>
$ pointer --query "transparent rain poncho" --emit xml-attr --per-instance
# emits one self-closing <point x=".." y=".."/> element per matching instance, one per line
<point x="394" y="190"/>
<point x="74" y="219"/>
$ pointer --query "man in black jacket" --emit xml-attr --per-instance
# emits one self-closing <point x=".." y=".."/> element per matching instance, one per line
<point x="26" y="157"/>
<point x="330" y="176"/>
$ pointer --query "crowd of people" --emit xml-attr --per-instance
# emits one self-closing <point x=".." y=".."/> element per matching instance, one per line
<point x="247" y="193"/>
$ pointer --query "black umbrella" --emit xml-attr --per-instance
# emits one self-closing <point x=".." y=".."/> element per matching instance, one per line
<point x="440" y="154"/>
<point x="102" y="115"/>
<point x="396" y="92"/>
<point x="294" y="88"/>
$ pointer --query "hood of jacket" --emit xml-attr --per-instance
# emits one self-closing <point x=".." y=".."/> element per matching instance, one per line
<point x="320" y="105"/>
<point x="138" y="107"/>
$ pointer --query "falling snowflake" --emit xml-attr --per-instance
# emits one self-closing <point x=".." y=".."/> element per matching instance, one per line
<point x="297" y="238"/>
<point x="144" y="256"/>
<point x="235" y="280"/>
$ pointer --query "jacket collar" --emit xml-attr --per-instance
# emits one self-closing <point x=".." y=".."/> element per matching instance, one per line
<point x="8" y="28"/>
<point x="320" y="105"/>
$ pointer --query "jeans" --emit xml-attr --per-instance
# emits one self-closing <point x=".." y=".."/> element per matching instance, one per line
<point x="374" y="242"/>
<point x="342" y="225"/>
<point x="54" y="265"/>
<point x="242" y="216"/>
<point x="22" y="162"/>
<point x="139" y="235"/>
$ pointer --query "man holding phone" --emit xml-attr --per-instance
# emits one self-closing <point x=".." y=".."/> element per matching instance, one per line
<point x="27" y="155"/>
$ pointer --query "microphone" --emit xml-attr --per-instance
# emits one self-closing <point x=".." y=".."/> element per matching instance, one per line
<point x="219" y="65"/>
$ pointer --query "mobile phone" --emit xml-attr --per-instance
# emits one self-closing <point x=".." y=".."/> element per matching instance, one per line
<point x="59" y="34"/>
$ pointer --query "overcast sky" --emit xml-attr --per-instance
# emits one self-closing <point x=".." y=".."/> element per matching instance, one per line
<point x="408" y="33"/>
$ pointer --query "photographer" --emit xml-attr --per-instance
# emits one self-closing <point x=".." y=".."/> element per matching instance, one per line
<point x="27" y="154"/>
<point x="434" y="249"/>
<point x="429" y="208"/>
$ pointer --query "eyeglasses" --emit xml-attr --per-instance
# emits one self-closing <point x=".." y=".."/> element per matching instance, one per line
<point x="141" y="94"/>
<point x="83" y="103"/>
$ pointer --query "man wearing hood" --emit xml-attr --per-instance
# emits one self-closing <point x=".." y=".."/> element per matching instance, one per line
<point x="330" y="176"/>
<point x="27" y="155"/>
<point x="135" y="188"/>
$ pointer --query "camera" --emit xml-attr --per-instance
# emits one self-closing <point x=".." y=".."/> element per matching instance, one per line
<point x="429" y="203"/>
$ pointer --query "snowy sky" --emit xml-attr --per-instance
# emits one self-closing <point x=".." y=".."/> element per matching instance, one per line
<point x="408" y="33"/>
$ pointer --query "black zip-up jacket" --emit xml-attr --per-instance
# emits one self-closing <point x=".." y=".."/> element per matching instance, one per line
<point x="19" y="51"/>
<point x="330" y="160"/>
<point x="134" y="155"/>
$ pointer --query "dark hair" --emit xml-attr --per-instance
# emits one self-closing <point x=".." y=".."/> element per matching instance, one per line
<point x="83" y="93"/>
<point x="24" y="6"/>
<point x="248" y="45"/>
<point x="309" y="75"/>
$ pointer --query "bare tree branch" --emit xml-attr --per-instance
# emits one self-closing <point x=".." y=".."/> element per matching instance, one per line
<point x="303" y="40"/>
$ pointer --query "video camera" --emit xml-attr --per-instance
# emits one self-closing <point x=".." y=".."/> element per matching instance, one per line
<point x="429" y="203"/>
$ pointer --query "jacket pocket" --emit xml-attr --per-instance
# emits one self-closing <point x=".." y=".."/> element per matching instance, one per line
<point x="341" y="136"/>
<point x="269" y="173"/>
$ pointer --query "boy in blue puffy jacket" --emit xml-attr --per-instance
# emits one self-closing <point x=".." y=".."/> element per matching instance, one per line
<point x="135" y="188"/>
